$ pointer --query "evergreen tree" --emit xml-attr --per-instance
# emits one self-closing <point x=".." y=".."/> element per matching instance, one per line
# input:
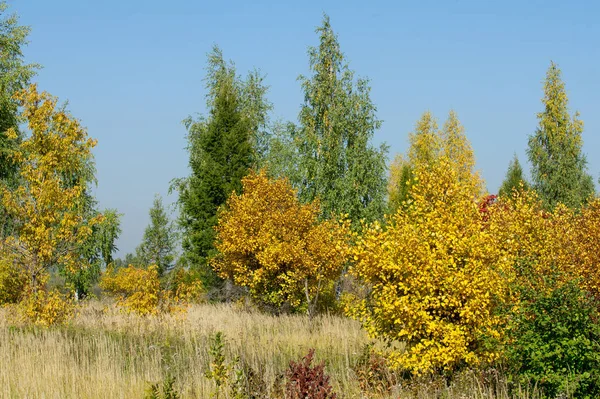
<point x="221" y="153"/>
<point x="337" y="162"/>
<point x="158" y="245"/>
<point x="558" y="166"/>
<point x="514" y="179"/>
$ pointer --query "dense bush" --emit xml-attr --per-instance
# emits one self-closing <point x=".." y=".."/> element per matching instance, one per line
<point x="137" y="290"/>
<point x="45" y="308"/>
<point x="435" y="275"/>
<point x="277" y="247"/>
<point x="12" y="282"/>
<point x="554" y="339"/>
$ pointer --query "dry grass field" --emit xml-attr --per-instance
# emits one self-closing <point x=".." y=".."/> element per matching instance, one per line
<point x="106" y="354"/>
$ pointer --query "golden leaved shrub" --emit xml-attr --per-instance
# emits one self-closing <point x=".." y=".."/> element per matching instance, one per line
<point x="13" y="282"/>
<point x="45" y="308"/>
<point x="276" y="247"/>
<point x="435" y="273"/>
<point x="136" y="290"/>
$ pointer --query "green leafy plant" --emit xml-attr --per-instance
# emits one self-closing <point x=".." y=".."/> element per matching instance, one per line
<point x="554" y="340"/>
<point x="166" y="391"/>
<point x="218" y="370"/>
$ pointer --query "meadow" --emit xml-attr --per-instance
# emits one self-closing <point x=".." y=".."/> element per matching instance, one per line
<point x="106" y="353"/>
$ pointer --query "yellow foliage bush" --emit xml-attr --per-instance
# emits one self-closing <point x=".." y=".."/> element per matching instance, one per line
<point x="435" y="273"/>
<point x="277" y="247"/>
<point x="13" y="281"/>
<point x="137" y="290"/>
<point x="45" y="308"/>
<point x="186" y="286"/>
<point x="524" y="233"/>
<point x="576" y="244"/>
<point x="540" y="244"/>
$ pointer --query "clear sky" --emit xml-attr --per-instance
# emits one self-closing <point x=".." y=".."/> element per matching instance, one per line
<point x="132" y="70"/>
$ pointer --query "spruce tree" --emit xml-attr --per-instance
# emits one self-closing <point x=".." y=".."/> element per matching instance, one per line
<point x="158" y="245"/>
<point x="558" y="166"/>
<point x="336" y="160"/>
<point x="221" y="153"/>
<point x="514" y="179"/>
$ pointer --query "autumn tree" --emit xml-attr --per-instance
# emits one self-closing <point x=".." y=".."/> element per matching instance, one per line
<point x="558" y="166"/>
<point x="399" y="181"/>
<point x="427" y="144"/>
<point x="97" y="251"/>
<point x="514" y="179"/>
<point x="434" y="274"/>
<point x="276" y="247"/>
<point x="15" y="75"/>
<point x="337" y="162"/>
<point x="575" y="244"/>
<point x="48" y="204"/>
<point x="158" y="245"/>
<point x="222" y="148"/>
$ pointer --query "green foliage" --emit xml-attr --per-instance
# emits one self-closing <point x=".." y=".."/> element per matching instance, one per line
<point x="558" y="166"/>
<point x="218" y="370"/>
<point x="166" y="391"/>
<point x="514" y="179"/>
<point x="107" y="234"/>
<point x="337" y="162"/>
<point x="554" y="340"/>
<point x="158" y="245"/>
<point x="399" y="182"/>
<point x="282" y="159"/>
<point x="234" y="379"/>
<point x="96" y="250"/>
<point x="15" y="75"/>
<point x="222" y="148"/>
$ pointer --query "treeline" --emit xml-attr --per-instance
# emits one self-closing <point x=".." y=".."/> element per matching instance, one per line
<point x="303" y="217"/>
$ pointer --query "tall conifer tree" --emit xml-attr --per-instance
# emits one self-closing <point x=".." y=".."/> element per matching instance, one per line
<point x="337" y="161"/>
<point x="158" y="245"/>
<point x="221" y="153"/>
<point x="514" y="179"/>
<point x="558" y="166"/>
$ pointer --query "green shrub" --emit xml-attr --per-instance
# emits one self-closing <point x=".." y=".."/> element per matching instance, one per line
<point x="554" y="340"/>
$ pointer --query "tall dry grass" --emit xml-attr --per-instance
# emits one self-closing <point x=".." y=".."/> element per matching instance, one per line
<point x="106" y="354"/>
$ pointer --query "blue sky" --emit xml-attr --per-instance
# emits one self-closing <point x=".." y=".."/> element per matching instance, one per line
<point x="133" y="70"/>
